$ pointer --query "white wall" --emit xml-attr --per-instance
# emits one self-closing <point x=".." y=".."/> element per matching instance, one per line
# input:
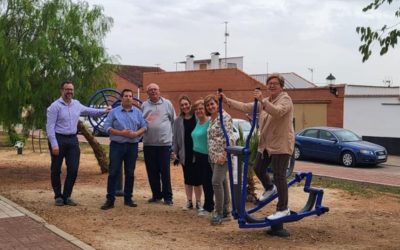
<point x="236" y="60"/>
<point x="366" y="116"/>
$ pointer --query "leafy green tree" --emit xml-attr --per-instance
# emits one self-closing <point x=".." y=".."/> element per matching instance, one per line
<point x="45" y="42"/>
<point x="386" y="36"/>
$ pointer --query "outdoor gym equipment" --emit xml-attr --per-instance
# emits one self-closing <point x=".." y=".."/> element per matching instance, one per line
<point x="238" y="184"/>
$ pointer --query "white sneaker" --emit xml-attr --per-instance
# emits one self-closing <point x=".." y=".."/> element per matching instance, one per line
<point x="204" y="213"/>
<point x="268" y="193"/>
<point x="279" y="214"/>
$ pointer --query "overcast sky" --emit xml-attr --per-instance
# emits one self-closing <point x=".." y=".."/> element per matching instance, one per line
<point x="274" y="35"/>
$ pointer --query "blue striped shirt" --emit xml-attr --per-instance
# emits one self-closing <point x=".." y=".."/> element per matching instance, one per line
<point x="62" y="118"/>
<point x="121" y="119"/>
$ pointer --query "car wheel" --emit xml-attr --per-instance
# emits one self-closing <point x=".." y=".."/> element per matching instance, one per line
<point x="297" y="152"/>
<point x="348" y="159"/>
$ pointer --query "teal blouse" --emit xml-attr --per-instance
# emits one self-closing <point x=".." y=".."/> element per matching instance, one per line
<point x="199" y="136"/>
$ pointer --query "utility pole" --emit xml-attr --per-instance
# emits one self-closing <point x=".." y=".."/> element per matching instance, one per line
<point x="176" y="66"/>
<point x="226" y="43"/>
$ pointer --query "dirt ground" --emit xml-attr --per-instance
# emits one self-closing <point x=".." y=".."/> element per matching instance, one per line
<point x="354" y="221"/>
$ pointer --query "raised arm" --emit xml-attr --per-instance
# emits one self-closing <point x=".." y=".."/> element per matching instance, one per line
<point x="279" y="109"/>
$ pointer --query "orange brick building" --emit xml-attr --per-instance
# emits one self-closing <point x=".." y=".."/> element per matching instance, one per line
<point x="319" y="106"/>
<point x="131" y="77"/>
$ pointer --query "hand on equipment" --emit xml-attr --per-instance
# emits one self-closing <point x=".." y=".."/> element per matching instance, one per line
<point x="258" y="94"/>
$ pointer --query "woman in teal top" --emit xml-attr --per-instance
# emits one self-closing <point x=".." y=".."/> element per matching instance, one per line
<point x="200" y="149"/>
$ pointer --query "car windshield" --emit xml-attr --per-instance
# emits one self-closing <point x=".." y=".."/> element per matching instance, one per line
<point x="347" y="135"/>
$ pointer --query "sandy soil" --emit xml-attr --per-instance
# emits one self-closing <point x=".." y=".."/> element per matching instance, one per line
<point x="369" y="221"/>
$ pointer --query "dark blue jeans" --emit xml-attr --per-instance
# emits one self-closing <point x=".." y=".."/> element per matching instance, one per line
<point x="157" y="159"/>
<point x="69" y="149"/>
<point x="121" y="153"/>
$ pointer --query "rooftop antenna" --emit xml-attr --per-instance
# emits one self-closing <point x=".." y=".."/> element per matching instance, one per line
<point x="312" y="74"/>
<point x="387" y="82"/>
<point x="226" y="43"/>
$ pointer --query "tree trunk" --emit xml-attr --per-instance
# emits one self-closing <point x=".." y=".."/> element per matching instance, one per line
<point x="99" y="152"/>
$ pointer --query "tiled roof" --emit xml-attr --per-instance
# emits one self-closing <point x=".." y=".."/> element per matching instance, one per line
<point x="134" y="73"/>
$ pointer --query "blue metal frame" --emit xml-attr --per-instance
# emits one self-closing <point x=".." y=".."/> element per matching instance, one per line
<point x="313" y="205"/>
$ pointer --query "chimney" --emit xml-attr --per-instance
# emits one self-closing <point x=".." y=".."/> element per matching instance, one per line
<point x="215" y="60"/>
<point x="190" y="62"/>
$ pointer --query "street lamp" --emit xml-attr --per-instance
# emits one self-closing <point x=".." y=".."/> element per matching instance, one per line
<point x="330" y="79"/>
<point x="331" y="83"/>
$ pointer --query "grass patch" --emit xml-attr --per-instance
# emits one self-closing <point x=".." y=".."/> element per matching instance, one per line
<point x="354" y="187"/>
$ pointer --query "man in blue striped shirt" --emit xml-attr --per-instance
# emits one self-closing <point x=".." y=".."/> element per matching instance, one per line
<point x="62" y="125"/>
<point x="126" y="125"/>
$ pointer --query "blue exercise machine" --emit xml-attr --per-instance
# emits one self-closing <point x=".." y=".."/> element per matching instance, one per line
<point x="238" y="185"/>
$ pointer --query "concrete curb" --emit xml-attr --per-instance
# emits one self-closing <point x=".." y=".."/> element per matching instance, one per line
<point x="68" y="237"/>
<point x="326" y="176"/>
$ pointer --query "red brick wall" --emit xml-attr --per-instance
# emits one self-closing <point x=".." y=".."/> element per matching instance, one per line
<point x="122" y="84"/>
<point x="237" y="85"/>
<point x="199" y="83"/>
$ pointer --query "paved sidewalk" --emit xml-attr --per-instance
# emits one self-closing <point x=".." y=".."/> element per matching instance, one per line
<point x="385" y="174"/>
<point x="393" y="160"/>
<point x="20" y="229"/>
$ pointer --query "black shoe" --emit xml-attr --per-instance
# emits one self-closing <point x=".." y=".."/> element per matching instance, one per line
<point x="70" y="202"/>
<point x="153" y="200"/>
<point x="107" y="205"/>
<point x="130" y="203"/>
<point x="168" y="202"/>
<point x="59" y="201"/>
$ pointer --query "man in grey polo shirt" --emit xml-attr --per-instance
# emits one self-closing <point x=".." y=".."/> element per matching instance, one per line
<point x="62" y="125"/>
<point x="157" y="141"/>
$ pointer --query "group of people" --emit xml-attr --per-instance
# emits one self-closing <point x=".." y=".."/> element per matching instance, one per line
<point x="195" y="139"/>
